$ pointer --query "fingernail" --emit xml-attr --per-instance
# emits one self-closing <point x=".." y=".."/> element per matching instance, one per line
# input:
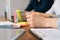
<point x="27" y="13"/>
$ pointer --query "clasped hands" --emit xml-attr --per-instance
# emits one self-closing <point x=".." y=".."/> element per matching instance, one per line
<point x="36" y="19"/>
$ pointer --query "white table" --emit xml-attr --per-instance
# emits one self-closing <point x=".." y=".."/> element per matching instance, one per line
<point x="10" y="34"/>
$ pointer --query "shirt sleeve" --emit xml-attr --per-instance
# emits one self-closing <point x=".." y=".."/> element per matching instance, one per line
<point x="51" y="10"/>
<point x="30" y="6"/>
<point x="45" y="5"/>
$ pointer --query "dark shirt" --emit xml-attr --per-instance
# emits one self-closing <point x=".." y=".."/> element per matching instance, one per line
<point x="42" y="6"/>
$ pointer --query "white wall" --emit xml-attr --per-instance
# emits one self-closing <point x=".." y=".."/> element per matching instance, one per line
<point x="18" y="4"/>
<point x="2" y="7"/>
<point x="14" y="4"/>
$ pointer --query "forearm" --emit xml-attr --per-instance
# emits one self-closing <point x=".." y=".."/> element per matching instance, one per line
<point x="44" y="14"/>
<point x="47" y="15"/>
<point x="50" y="23"/>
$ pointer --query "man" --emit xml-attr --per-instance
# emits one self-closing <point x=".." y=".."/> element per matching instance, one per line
<point x="44" y="20"/>
<point x="39" y="5"/>
<point x="36" y="19"/>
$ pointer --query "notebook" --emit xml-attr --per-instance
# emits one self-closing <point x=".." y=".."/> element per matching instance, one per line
<point x="46" y="34"/>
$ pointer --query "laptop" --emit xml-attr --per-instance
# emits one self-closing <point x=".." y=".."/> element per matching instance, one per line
<point x="46" y="34"/>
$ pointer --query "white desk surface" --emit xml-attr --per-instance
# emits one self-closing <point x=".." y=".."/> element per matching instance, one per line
<point x="47" y="34"/>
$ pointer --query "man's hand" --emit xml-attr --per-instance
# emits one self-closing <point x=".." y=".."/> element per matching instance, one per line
<point x="34" y="19"/>
<point x="41" y="14"/>
<point x="24" y="15"/>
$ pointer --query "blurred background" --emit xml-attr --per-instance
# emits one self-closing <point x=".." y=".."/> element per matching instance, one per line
<point x="11" y="6"/>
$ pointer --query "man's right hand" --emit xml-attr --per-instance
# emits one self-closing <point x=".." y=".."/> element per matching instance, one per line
<point x="34" y="19"/>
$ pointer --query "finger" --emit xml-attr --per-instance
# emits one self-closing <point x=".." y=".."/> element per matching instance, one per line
<point x="28" y="15"/>
<point x="31" y="23"/>
<point x="30" y="19"/>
